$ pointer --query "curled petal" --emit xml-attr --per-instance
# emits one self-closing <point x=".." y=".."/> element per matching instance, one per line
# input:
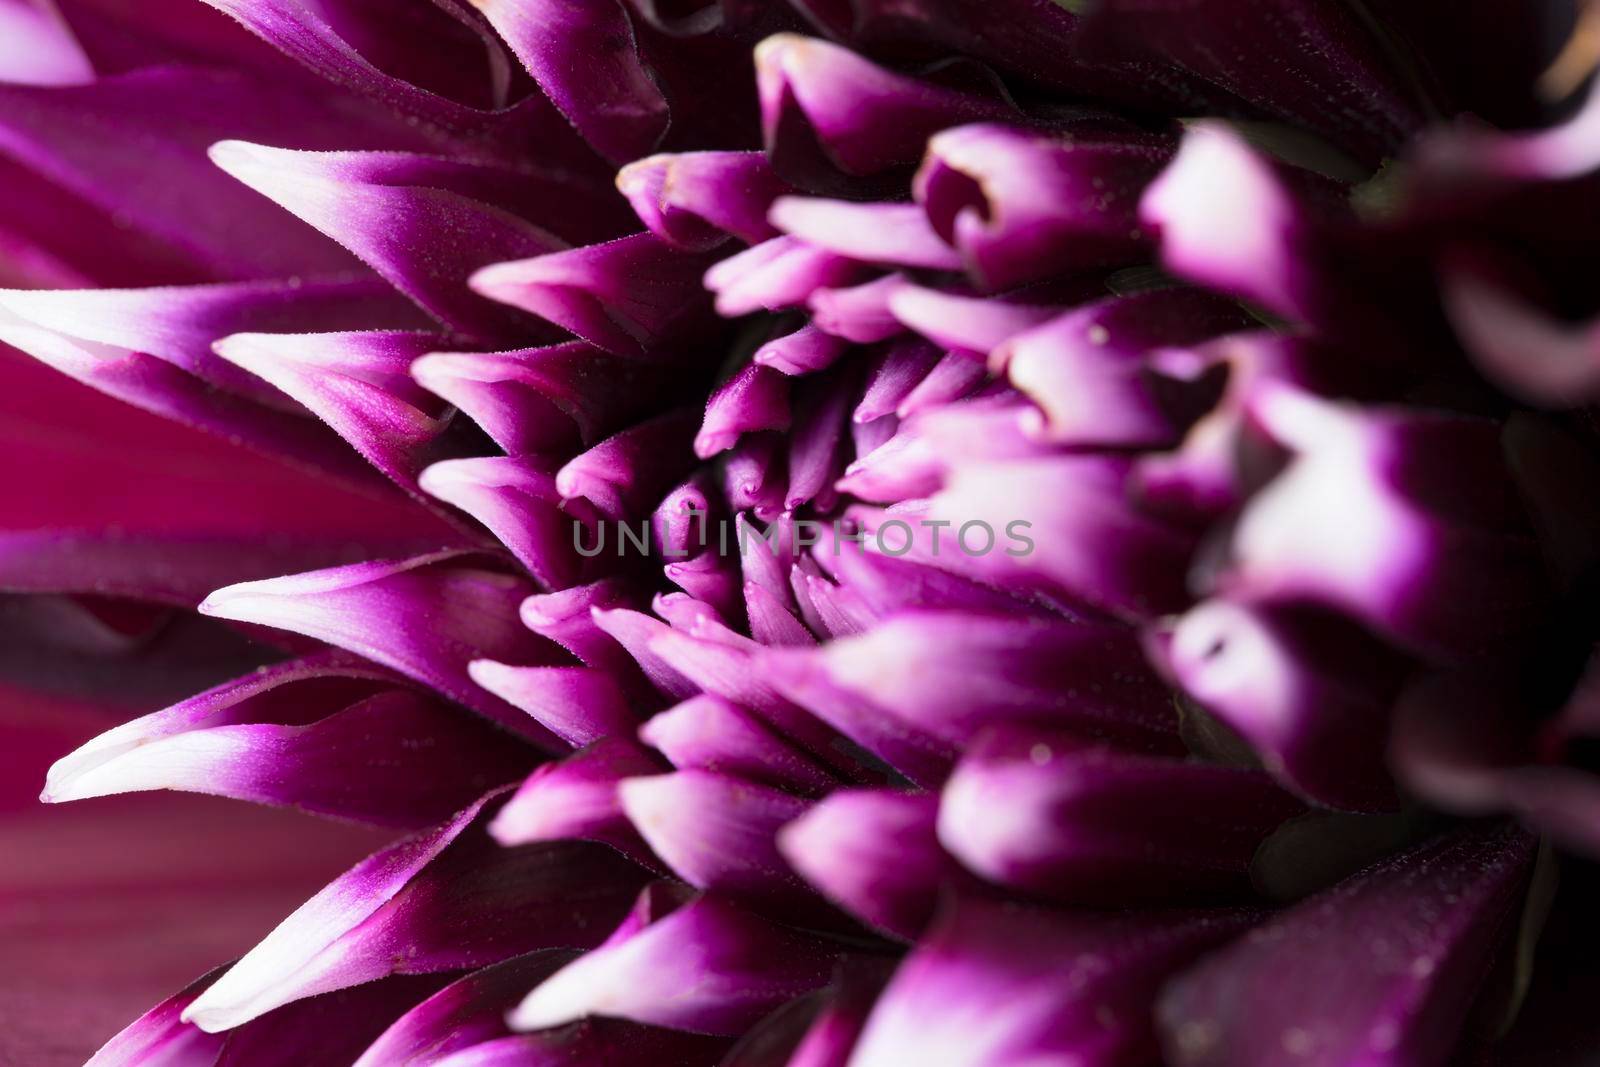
<point x="577" y="797"/>
<point x="1525" y="349"/>
<point x="1360" y="519"/>
<point x="1089" y="825"/>
<point x="424" y="617"/>
<point x="1069" y="530"/>
<point x="540" y="399"/>
<point x="580" y="705"/>
<point x="993" y="985"/>
<point x="397" y="212"/>
<point x="754" y="399"/>
<point x="327" y="734"/>
<point x="1228" y="219"/>
<point x="875" y="853"/>
<point x="894" y="234"/>
<point x="586" y="59"/>
<point x="712" y="734"/>
<point x="938" y="671"/>
<point x="707" y="967"/>
<point x="440" y="64"/>
<point x="1420" y="930"/>
<point x="517" y="499"/>
<point x="622" y="296"/>
<point x="805" y="351"/>
<point x="1281" y="680"/>
<point x="567" y="617"/>
<point x="1088" y="372"/>
<point x="694" y="200"/>
<point x="824" y="107"/>
<point x="446" y="899"/>
<point x="1019" y="206"/>
<point x="357" y="383"/>
<point x="627" y="474"/>
<point x="180" y="324"/>
<point x="858" y="313"/>
<point x="465" y="1013"/>
<point x="776" y="274"/>
<point x="715" y="831"/>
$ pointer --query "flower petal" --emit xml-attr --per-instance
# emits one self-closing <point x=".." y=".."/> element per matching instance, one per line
<point x="327" y="734"/>
<point x="1420" y="930"/>
<point x="398" y="213"/>
<point x="1087" y="825"/>
<point x="995" y="985"/>
<point x="425" y="617"/>
<point x="623" y="296"/>
<point x="707" y="967"/>
<point x="874" y="852"/>
<point x="445" y="899"/>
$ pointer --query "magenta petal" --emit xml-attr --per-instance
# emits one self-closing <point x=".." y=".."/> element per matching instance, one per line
<point x="1088" y="542"/>
<point x="875" y="853"/>
<point x="936" y="671"/>
<point x="1088" y="369"/>
<point x="446" y="899"/>
<point x="693" y="200"/>
<point x="1085" y="824"/>
<point x="754" y="399"/>
<point x="577" y="797"/>
<point x="436" y="63"/>
<point x="837" y="1025"/>
<point x="627" y="474"/>
<point x="622" y="296"/>
<point x="963" y="321"/>
<point x="161" y="1038"/>
<point x="716" y="831"/>
<point x="1526" y="350"/>
<point x="425" y="617"/>
<point x="586" y="59"/>
<point x="540" y="399"/>
<point x="776" y="274"/>
<point x="707" y="967"/>
<point x="823" y="106"/>
<point x="1281" y="680"/>
<point x="1228" y="219"/>
<point x="597" y="1041"/>
<point x="580" y="705"/>
<point x="397" y="212"/>
<point x="712" y="734"/>
<point x="1002" y="985"/>
<point x="858" y="313"/>
<point x="517" y="499"/>
<point x="1020" y="207"/>
<point x="467" y="1012"/>
<point x="357" y="383"/>
<point x="1379" y="970"/>
<point x="328" y="734"/>
<point x="135" y="146"/>
<point x="893" y="234"/>
<point x="1358" y="520"/>
<point x="180" y="324"/>
<point x="805" y="351"/>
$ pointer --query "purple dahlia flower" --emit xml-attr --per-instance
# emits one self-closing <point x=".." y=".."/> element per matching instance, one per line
<point x="819" y="533"/>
